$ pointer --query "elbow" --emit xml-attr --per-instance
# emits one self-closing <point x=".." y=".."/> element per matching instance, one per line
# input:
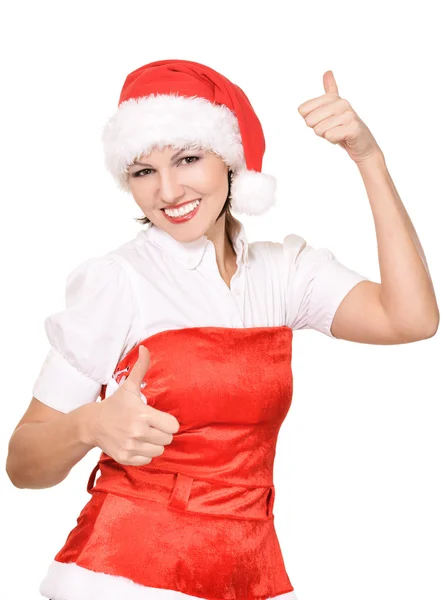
<point x="432" y="329"/>
<point x="424" y="333"/>
<point x="15" y="470"/>
<point x="14" y="464"/>
<point x="25" y="476"/>
<point x="21" y="481"/>
<point x="13" y="474"/>
<point x="415" y="330"/>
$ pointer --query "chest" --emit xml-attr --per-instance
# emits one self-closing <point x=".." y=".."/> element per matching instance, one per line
<point x="207" y="376"/>
<point x="170" y="296"/>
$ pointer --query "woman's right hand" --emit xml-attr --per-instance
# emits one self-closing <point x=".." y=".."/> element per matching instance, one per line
<point x="125" y="427"/>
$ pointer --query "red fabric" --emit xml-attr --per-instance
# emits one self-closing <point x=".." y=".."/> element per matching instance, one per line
<point x="188" y="78"/>
<point x="199" y="518"/>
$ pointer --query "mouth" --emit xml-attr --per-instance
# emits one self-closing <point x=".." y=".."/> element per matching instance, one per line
<point x="193" y="207"/>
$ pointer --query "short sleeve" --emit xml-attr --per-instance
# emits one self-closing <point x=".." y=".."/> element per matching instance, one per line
<point x="316" y="285"/>
<point x="90" y="336"/>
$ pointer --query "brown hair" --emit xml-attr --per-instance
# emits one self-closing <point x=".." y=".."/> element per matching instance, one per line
<point x="226" y="210"/>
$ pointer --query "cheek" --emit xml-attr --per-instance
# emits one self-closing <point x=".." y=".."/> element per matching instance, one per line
<point x="141" y="193"/>
<point x="208" y="181"/>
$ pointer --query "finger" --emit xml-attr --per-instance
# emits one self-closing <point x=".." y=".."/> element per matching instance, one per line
<point x="330" y="85"/>
<point x="139" y="370"/>
<point x="137" y="460"/>
<point x="334" y="109"/>
<point x="155" y="436"/>
<point x="327" y="125"/>
<point x="161" y="420"/>
<point x="310" y="105"/>
<point x="147" y="449"/>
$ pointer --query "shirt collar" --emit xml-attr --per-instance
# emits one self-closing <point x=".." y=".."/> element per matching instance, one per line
<point x="190" y="254"/>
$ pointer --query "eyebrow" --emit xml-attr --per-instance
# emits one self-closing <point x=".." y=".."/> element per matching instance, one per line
<point x="135" y="162"/>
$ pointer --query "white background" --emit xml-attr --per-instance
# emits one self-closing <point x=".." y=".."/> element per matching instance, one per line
<point x="360" y="464"/>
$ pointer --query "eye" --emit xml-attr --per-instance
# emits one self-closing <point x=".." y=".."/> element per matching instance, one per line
<point x="189" y="157"/>
<point x="140" y="173"/>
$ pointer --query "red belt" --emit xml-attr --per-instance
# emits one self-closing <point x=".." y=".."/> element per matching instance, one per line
<point x="183" y="492"/>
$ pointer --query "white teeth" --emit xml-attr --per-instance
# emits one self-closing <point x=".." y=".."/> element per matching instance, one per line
<point x="179" y="212"/>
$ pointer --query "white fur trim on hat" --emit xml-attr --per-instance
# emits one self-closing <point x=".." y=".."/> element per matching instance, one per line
<point x="160" y="120"/>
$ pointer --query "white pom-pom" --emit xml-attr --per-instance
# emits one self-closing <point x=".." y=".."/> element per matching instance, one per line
<point x="253" y="193"/>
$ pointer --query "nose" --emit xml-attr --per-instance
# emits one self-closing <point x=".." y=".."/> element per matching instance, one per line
<point x="171" y="191"/>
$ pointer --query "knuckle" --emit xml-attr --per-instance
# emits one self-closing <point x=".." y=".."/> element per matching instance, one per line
<point x="170" y="421"/>
<point x="128" y="445"/>
<point x="123" y="458"/>
<point x="130" y="388"/>
<point x="159" y="450"/>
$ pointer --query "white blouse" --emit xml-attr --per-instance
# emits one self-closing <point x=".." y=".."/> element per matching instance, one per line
<point x="155" y="283"/>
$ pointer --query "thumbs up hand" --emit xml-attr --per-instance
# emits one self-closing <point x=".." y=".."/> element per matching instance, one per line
<point x="125" y="427"/>
<point x="332" y="118"/>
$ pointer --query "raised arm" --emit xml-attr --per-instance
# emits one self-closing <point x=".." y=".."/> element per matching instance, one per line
<point x="403" y="307"/>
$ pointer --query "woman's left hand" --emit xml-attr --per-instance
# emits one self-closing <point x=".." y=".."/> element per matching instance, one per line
<point x="334" y="119"/>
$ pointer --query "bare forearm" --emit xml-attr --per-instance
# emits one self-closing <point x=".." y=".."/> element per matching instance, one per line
<point x="407" y="291"/>
<point x="40" y="455"/>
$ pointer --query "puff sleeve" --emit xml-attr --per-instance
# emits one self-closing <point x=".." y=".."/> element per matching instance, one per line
<point x="90" y="336"/>
<point x="316" y="284"/>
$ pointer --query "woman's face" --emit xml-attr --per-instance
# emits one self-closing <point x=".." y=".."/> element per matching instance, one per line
<point x="169" y="177"/>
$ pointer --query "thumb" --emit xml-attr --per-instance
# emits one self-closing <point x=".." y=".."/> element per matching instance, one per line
<point x="330" y="85"/>
<point x="139" y="370"/>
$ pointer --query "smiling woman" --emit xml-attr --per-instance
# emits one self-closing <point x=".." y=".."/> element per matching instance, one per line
<point x="184" y="334"/>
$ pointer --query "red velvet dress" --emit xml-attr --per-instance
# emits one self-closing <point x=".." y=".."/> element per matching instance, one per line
<point x="198" y="519"/>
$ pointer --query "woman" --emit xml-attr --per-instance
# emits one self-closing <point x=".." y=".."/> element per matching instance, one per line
<point x="197" y="322"/>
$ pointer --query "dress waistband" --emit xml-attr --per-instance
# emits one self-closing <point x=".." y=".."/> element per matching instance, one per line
<point x="182" y="492"/>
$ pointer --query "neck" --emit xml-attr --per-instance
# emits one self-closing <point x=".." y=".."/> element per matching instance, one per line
<point x="220" y="236"/>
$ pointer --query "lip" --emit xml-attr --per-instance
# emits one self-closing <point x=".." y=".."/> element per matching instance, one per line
<point x="180" y="205"/>
<point x="184" y="218"/>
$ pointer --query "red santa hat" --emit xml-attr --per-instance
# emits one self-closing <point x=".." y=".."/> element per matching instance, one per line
<point x="181" y="103"/>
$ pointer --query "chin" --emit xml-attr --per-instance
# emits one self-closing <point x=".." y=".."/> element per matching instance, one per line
<point x="187" y="234"/>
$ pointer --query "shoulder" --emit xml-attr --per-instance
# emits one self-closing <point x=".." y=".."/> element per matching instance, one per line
<point x="111" y="266"/>
<point x="95" y="272"/>
<point x="278" y="253"/>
